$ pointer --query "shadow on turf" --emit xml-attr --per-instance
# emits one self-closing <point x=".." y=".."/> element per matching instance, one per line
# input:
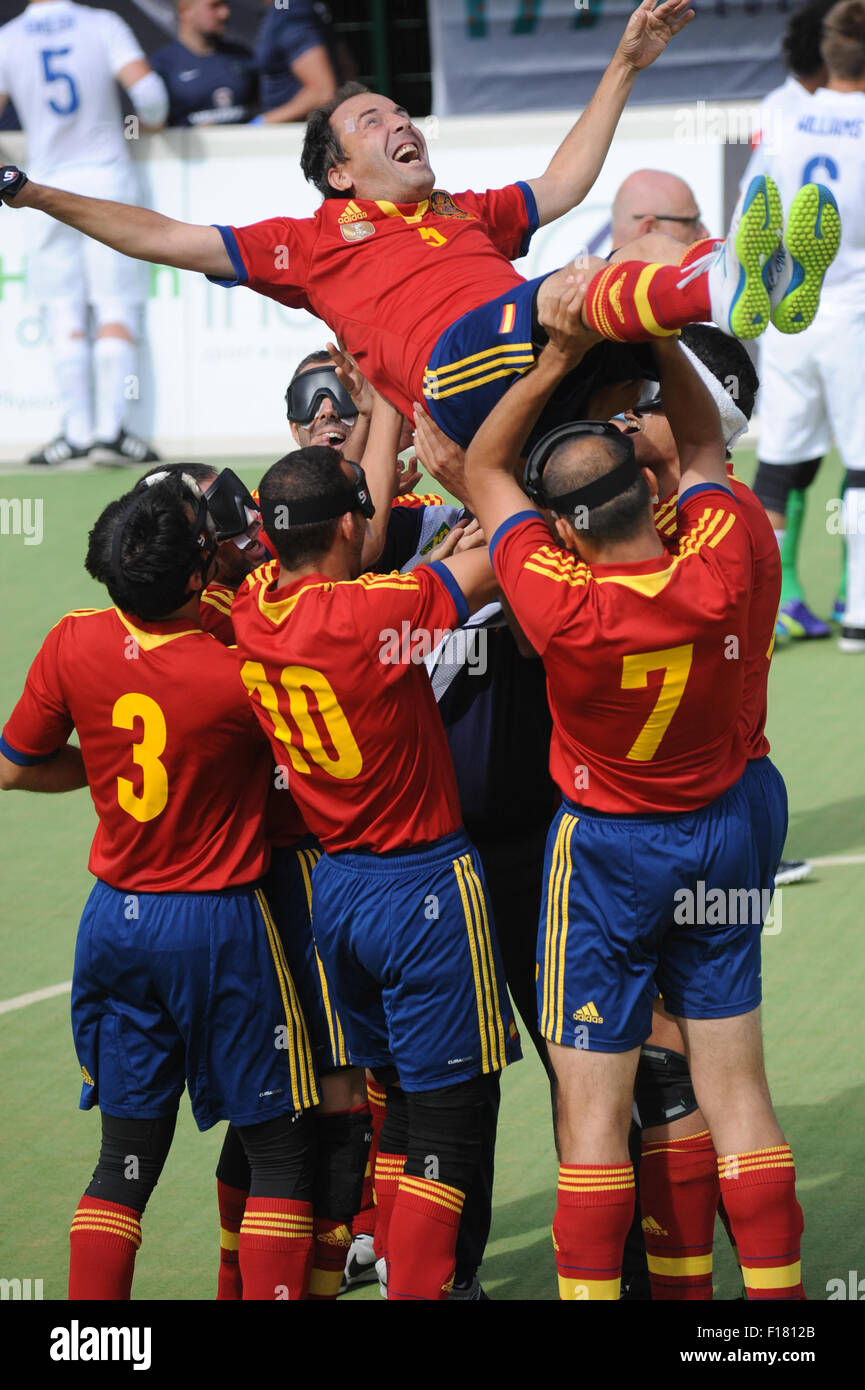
<point x="827" y="829"/>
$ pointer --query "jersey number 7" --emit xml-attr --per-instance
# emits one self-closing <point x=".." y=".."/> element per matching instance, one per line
<point x="675" y="662"/>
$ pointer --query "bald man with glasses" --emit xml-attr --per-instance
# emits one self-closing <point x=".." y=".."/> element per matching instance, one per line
<point x="652" y="201"/>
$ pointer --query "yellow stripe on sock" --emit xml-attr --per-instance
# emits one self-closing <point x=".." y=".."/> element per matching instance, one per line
<point x="776" y="1277"/>
<point x="593" y="1290"/>
<point x="680" y="1267"/>
<point x="644" y="309"/>
<point x="229" y="1240"/>
<point x="324" y="1283"/>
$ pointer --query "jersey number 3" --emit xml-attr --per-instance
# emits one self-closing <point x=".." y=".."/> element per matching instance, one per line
<point x="675" y="662"/>
<point x="151" y="800"/>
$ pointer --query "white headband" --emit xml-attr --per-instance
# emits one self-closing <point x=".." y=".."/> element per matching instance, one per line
<point x="734" y="422"/>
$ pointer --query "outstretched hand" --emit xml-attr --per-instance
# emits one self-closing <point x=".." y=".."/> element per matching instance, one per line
<point x="649" y="30"/>
<point x="352" y="378"/>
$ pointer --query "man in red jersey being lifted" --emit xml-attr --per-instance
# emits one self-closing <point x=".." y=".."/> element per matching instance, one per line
<point x="333" y="662"/>
<point x="642" y="650"/>
<point x="418" y="284"/>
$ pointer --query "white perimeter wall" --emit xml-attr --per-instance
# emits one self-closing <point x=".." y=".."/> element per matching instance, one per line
<point x="215" y="362"/>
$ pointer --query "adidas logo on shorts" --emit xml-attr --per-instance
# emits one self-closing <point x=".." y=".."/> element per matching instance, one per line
<point x="588" y="1014"/>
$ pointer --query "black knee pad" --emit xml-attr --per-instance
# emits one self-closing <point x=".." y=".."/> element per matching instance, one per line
<point x="663" y="1091"/>
<point x="233" y="1166"/>
<point x="131" y="1158"/>
<point x="447" y="1129"/>
<point x="282" y="1156"/>
<point x="775" y="481"/>
<point x="854" y="477"/>
<point x="343" y="1150"/>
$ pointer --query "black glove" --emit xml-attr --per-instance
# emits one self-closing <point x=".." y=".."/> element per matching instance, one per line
<point x="12" y="180"/>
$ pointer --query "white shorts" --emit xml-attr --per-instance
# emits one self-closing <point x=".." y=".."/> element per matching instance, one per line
<point x="812" y="391"/>
<point x="64" y="266"/>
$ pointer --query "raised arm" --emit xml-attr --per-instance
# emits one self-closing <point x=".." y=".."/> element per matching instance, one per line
<point x="577" y="162"/>
<point x="379" y="465"/>
<point x="137" y="232"/>
<point x="692" y="416"/>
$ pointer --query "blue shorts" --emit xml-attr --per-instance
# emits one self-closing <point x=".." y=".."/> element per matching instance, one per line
<point x="288" y="886"/>
<point x="634" y="906"/>
<point x="409" y="948"/>
<point x="767" y="795"/>
<point x="477" y="358"/>
<point x="170" y="988"/>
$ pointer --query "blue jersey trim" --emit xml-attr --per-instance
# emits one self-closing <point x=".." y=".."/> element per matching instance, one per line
<point x="25" y="759"/>
<point x="508" y="525"/>
<point x="231" y="246"/>
<point x="453" y="589"/>
<point x="534" y="218"/>
<point x="704" y="487"/>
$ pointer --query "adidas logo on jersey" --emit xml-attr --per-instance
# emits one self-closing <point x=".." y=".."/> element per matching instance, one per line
<point x="88" y="1079"/>
<point x="588" y="1014"/>
<point x="653" y="1227"/>
<point x="352" y="213"/>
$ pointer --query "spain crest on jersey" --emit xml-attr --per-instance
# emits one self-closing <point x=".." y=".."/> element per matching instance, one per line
<point x="443" y="205"/>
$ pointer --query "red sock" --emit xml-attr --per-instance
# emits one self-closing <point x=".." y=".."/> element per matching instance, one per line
<point x="364" y="1222"/>
<point x="423" y="1239"/>
<point x="630" y="301"/>
<point x="331" y="1244"/>
<point x="103" y="1240"/>
<point x="759" y="1192"/>
<point x="706" y="246"/>
<point x="725" y="1222"/>
<point x="232" y="1201"/>
<point x="678" y="1197"/>
<point x="593" y="1217"/>
<point x="388" y="1171"/>
<point x="275" y="1248"/>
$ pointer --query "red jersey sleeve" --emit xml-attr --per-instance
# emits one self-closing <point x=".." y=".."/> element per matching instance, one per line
<point x="538" y="578"/>
<point x="709" y="525"/>
<point x="215" y="613"/>
<point x="400" y="607"/>
<point x="271" y="257"/>
<point x="509" y="214"/>
<point x="40" y="723"/>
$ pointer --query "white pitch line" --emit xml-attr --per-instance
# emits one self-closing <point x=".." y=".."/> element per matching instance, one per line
<point x="832" y="859"/>
<point x="21" y="1001"/>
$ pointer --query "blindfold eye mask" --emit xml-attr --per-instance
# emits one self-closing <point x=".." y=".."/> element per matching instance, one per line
<point x="305" y="394"/>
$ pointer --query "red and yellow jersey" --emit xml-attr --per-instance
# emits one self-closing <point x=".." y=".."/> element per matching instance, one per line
<point x="336" y="676"/>
<point x="389" y="278"/>
<point x="176" y="764"/>
<point x="283" y="822"/>
<point x="765" y="599"/>
<point x="215" y="612"/>
<point x="642" y="659"/>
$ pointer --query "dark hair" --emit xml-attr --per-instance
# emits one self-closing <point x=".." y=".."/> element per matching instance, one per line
<point x="843" y="44"/>
<point x="801" y="44"/>
<point x="312" y="359"/>
<point x="576" y="462"/>
<point x="201" y="472"/>
<point x="158" y="549"/>
<point x="727" y="360"/>
<point x="303" y="476"/>
<point x="321" y="146"/>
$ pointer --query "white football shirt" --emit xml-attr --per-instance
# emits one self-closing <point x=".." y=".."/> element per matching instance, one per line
<point x="58" y="63"/>
<point x="820" y="138"/>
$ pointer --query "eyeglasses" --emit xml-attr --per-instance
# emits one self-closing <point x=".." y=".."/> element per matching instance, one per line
<point x="667" y="217"/>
